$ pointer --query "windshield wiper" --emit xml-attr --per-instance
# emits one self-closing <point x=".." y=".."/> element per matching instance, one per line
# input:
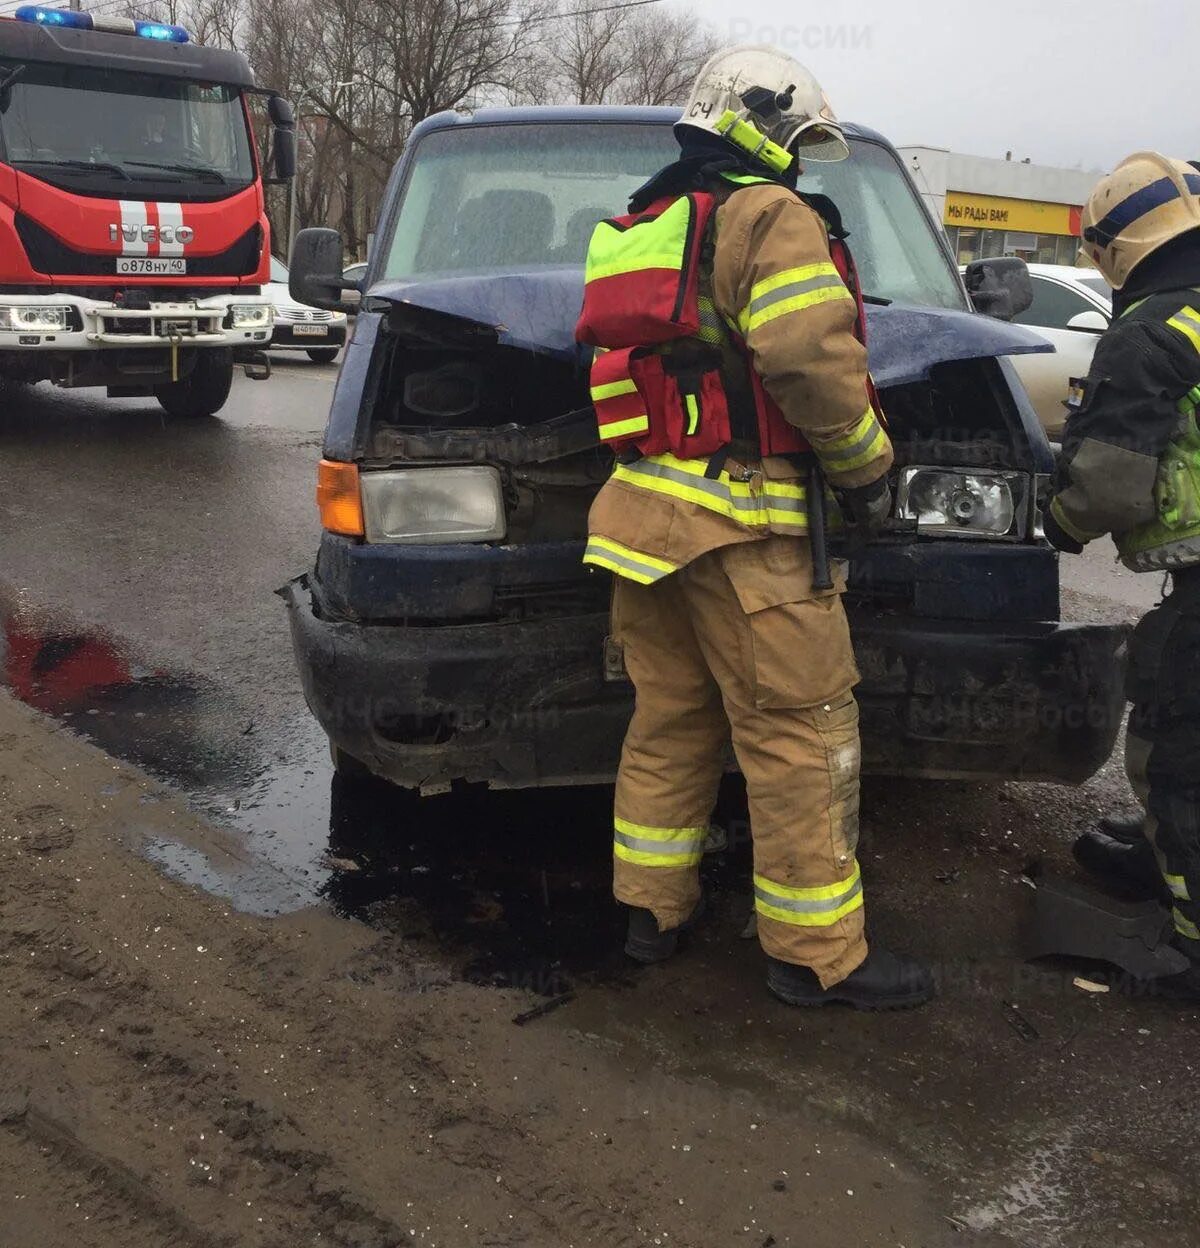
<point x="200" y="171"/>
<point x="879" y="300"/>
<point x="82" y="166"/>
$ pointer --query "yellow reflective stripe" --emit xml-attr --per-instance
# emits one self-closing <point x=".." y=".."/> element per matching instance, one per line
<point x="1178" y="886"/>
<point x="797" y="303"/>
<point x="1187" y="321"/>
<point x="791" y="291"/>
<point x="647" y="846"/>
<point x="654" y="244"/>
<point x="1080" y="535"/>
<point x="770" y="503"/>
<point x="1184" y="926"/>
<point x="603" y="552"/>
<point x="610" y="389"/>
<point x="864" y="443"/>
<point x="789" y="277"/>
<point x="635" y="264"/>
<point x="808" y="907"/>
<point x="624" y="428"/>
<point x="693" y="411"/>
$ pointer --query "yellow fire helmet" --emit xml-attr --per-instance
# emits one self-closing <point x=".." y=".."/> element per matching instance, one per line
<point x="1146" y="201"/>
<point x="766" y="103"/>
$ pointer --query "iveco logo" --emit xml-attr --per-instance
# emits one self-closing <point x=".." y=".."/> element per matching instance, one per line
<point x="150" y="233"/>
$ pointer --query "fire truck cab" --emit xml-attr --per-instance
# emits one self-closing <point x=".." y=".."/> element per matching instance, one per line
<point x="133" y="235"/>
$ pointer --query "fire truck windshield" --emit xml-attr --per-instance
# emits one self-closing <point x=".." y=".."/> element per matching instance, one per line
<point x="96" y="130"/>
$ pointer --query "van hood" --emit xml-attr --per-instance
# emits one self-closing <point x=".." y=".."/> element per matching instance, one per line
<point x="536" y="309"/>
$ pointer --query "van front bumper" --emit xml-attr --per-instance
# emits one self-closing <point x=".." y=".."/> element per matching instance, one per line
<point x="523" y="703"/>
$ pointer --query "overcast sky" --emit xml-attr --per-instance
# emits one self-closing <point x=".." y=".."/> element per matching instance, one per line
<point x="1062" y="81"/>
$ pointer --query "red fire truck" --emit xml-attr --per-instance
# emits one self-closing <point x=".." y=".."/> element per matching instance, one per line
<point x="133" y="236"/>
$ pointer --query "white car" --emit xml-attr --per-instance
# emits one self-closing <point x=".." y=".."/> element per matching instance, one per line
<point x="319" y="333"/>
<point x="1071" y="308"/>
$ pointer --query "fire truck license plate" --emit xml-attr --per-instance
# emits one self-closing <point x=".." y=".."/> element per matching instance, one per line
<point x="311" y="331"/>
<point x="154" y="266"/>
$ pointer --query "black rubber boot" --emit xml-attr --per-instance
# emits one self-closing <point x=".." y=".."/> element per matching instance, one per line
<point x="885" y="981"/>
<point x="645" y="943"/>
<point x="1184" y="987"/>
<point x="1127" y="828"/>
<point x="1118" y="855"/>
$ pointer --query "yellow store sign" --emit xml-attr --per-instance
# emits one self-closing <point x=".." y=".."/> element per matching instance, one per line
<point x="991" y="212"/>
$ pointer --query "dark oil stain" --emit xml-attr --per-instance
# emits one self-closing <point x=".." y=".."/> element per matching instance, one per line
<point x="517" y="885"/>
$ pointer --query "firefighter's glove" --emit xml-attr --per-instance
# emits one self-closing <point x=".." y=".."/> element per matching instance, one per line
<point x="866" y="507"/>
<point x="1057" y="536"/>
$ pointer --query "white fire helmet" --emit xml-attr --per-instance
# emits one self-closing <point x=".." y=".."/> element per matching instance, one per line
<point x="766" y="103"/>
<point x="1148" y="200"/>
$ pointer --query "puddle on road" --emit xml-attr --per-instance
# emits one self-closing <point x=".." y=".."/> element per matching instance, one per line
<point x="92" y="682"/>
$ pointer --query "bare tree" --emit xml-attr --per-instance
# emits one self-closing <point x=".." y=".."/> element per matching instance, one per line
<point x="600" y="54"/>
<point x="666" y="52"/>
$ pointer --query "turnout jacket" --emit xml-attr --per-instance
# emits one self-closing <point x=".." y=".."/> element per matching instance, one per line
<point x="1124" y="417"/>
<point x="774" y="284"/>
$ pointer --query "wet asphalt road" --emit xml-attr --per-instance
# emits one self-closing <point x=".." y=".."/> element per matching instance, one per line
<point x="138" y="560"/>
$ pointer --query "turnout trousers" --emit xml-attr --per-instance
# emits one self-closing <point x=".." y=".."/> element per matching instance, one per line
<point x="735" y="645"/>
<point x="1162" y="748"/>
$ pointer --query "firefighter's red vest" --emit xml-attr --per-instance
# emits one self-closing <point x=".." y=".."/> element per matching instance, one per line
<point x="642" y="294"/>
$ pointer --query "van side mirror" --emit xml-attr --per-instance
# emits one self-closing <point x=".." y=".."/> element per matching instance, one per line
<point x="283" y="138"/>
<point x="1092" y="321"/>
<point x="315" y="273"/>
<point x="999" y="287"/>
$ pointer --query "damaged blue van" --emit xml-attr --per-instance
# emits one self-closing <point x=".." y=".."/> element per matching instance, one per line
<point x="448" y="630"/>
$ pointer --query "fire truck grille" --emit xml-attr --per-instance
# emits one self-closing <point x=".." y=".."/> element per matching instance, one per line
<point x="48" y="254"/>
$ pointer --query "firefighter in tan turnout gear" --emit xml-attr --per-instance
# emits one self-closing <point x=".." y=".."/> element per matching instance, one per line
<point x="1130" y="467"/>
<point x="729" y="354"/>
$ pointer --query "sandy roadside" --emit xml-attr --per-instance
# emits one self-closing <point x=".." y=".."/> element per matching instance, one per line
<point x="176" y="1073"/>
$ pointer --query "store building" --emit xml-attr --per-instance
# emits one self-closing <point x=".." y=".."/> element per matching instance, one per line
<point x="992" y="207"/>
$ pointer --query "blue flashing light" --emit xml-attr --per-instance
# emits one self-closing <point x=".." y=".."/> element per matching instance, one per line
<point x="164" y="32"/>
<point x="160" y="30"/>
<point x="53" y="17"/>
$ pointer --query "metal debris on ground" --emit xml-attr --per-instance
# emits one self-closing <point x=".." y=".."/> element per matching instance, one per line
<point x="546" y="1007"/>
<point x="1020" y="1024"/>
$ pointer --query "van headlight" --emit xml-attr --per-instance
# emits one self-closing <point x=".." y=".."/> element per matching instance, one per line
<point x="976" y="502"/>
<point x="433" y="505"/>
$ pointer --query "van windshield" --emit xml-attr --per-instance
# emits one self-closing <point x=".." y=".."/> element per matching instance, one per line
<point x="519" y="196"/>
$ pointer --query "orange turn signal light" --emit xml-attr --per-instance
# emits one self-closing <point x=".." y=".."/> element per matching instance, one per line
<point x="339" y="498"/>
